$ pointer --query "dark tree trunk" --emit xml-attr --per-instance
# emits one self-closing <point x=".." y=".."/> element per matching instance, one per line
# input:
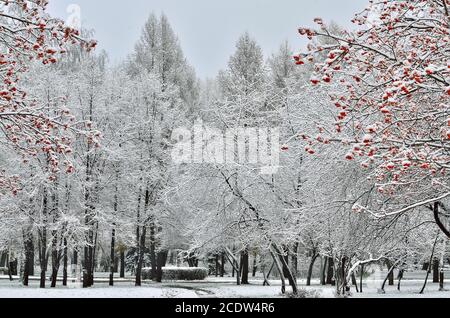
<point x="276" y="260"/>
<point x="222" y="265"/>
<point x="43" y="257"/>
<point x="161" y="261"/>
<point x="89" y="258"/>
<point x="441" y="280"/>
<point x="31" y="263"/>
<point x="55" y="261"/>
<point x="42" y="280"/>
<point x="217" y="265"/>
<point x="122" y="264"/>
<point x="330" y="272"/>
<point x="112" y="257"/>
<point x="140" y="257"/>
<point x="238" y="273"/>
<point x="88" y="265"/>
<point x="29" y="250"/>
<point x="56" y="254"/>
<point x="436" y="271"/>
<point x="235" y="265"/>
<point x="429" y="269"/>
<point x="4" y="259"/>
<point x="116" y="264"/>
<point x="89" y="215"/>
<point x="361" y="276"/>
<point x="75" y="261"/>
<point x="255" y="264"/>
<point x="10" y="268"/>
<point x="355" y="282"/>
<point x="26" y="275"/>
<point x="391" y="273"/>
<point x="342" y="277"/>
<point x="295" y="260"/>
<point x="153" y="259"/>
<point x="323" y="271"/>
<point x="65" y="261"/>
<point x="286" y="262"/>
<point x="401" y="274"/>
<point x="292" y="280"/>
<point x="94" y="254"/>
<point x="388" y="277"/>
<point x="244" y="267"/>
<point x="310" y="269"/>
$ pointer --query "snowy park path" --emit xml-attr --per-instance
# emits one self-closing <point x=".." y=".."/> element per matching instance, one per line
<point x="210" y="288"/>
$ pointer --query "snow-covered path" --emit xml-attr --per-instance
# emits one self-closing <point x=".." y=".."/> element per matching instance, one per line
<point x="210" y="288"/>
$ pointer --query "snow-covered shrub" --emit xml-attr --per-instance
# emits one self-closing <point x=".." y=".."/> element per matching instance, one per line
<point x="185" y="273"/>
<point x="303" y="293"/>
<point x="179" y="273"/>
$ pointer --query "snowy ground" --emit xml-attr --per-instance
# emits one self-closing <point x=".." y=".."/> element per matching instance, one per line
<point x="213" y="288"/>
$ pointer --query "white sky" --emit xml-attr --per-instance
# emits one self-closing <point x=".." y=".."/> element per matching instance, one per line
<point x="207" y="29"/>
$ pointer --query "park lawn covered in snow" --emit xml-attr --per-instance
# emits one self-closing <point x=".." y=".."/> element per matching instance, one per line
<point x="216" y="288"/>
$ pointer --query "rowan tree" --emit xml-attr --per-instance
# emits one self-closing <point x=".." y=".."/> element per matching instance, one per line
<point x="391" y="99"/>
<point x="30" y="35"/>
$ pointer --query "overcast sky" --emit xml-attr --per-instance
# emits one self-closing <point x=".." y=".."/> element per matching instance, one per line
<point x="207" y="29"/>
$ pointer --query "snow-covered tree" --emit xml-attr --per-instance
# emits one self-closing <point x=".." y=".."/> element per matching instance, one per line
<point x="391" y="100"/>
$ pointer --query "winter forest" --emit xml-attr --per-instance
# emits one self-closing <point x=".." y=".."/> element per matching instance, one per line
<point x="319" y="170"/>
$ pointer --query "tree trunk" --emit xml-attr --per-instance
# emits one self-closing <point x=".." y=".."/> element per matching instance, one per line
<point x="94" y="254"/>
<point x="401" y="274"/>
<point x="3" y="259"/>
<point x="391" y="270"/>
<point x="290" y="277"/>
<point x="323" y="270"/>
<point x="255" y="264"/>
<point x="43" y="257"/>
<point x="361" y="276"/>
<point x="391" y="273"/>
<point x="355" y="282"/>
<point x="153" y="259"/>
<point x="112" y="257"/>
<point x="75" y="262"/>
<point x="280" y="271"/>
<point x="341" y="277"/>
<point x="122" y="264"/>
<point x="430" y="264"/>
<point x="88" y="265"/>
<point x="29" y="247"/>
<point x="244" y="267"/>
<point x="330" y="272"/>
<point x="222" y="265"/>
<point x="217" y="265"/>
<point x="161" y="261"/>
<point x="141" y="257"/>
<point x="235" y="264"/>
<point x="310" y="269"/>
<point x="65" y="260"/>
<point x="286" y="262"/>
<point x="436" y="270"/>
<point x="10" y="268"/>
<point x="55" y="261"/>
<point x="295" y="260"/>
